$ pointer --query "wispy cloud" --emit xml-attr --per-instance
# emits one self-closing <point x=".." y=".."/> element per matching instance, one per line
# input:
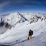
<point x="12" y="5"/>
<point x="3" y="4"/>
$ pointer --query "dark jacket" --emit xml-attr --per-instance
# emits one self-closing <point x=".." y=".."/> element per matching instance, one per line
<point x="30" y="32"/>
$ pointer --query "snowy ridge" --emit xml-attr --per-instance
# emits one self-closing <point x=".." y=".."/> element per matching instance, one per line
<point x="30" y="16"/>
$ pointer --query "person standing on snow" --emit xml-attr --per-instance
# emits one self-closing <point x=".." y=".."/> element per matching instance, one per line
<point x="30" y="34"/>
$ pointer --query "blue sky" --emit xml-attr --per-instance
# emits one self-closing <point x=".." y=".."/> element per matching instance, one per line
<point x="9" y="6"/>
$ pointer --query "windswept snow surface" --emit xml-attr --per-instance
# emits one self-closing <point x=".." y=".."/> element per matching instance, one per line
<point x="39" y="40"/>
<point x="20" y="30"/>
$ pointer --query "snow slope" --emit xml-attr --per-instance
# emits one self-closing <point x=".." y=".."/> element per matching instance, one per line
<point x="20" y="30"/>
<point x="39" y="40"/>
<point x="21" y="33"/>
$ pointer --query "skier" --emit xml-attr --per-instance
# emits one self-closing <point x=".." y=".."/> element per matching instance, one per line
<point x="30" y="34"/>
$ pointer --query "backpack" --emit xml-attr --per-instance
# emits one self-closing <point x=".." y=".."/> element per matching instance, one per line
<point x="32" y="32"/>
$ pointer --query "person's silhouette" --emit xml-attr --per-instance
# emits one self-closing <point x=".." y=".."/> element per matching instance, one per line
<point x="30" y="34"/>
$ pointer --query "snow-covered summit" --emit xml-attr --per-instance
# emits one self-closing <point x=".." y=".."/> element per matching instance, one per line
<point x="12" y="18"/>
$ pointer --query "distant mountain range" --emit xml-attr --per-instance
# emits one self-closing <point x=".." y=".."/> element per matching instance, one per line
<point x="16" y="17"/>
